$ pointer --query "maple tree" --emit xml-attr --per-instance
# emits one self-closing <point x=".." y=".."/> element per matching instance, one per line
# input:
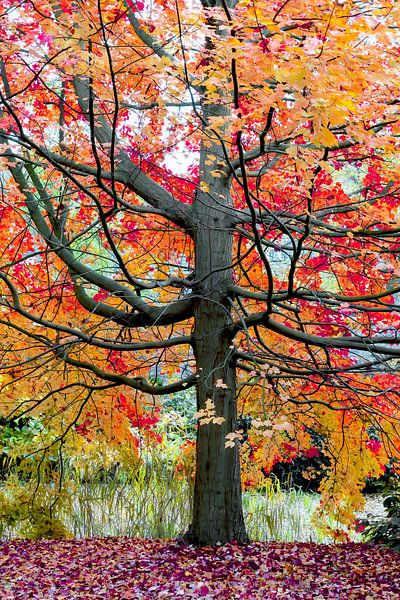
<point x="204" y="195"/>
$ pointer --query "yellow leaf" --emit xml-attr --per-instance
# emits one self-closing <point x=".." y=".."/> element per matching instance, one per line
<point x="294" y="77"/>
<point x="292" y="150"/>
<point x="204" y="186"/>
<point x="325" y="138"/>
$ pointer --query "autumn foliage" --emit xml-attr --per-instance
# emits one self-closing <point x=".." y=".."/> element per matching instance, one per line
<point x="206" y="196"/>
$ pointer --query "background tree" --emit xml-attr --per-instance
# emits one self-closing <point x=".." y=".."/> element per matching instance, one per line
<point x="179" y="209"/>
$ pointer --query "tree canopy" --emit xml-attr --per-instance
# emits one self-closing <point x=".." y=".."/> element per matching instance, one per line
<point x="205" y="194"/>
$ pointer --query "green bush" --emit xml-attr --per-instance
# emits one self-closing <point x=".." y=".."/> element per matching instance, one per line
<point x="385" y="530"/>
<point x="16" y="433"/>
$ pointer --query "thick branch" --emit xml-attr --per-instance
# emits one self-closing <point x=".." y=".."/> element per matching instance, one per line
<point x="374" y="344"/>
<point x="137" y="383"/>
<point x="126" y="171"/>
<point x="144" y="314"/>
<point x="77" y="335"/>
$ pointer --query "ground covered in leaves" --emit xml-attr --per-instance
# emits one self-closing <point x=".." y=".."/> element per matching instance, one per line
<point x="120" y="569"/>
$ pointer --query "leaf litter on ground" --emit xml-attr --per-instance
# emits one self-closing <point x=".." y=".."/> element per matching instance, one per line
<point x="124" y="569"/>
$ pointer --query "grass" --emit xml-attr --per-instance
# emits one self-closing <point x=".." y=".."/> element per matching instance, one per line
<point x="277" y="514"/>
<point x="149" y="510"/>
<point x="147" y="506"/>
<point x="153" y="503"/>
<point x="147" y="500"/>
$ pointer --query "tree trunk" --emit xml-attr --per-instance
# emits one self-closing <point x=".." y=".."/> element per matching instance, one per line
<point x="217" y="511"/>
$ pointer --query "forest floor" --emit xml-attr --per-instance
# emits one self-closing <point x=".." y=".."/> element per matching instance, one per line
<point x="123" y="569"/>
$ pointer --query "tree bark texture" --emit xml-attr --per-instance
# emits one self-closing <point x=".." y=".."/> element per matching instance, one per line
<point x="217" y="513"/>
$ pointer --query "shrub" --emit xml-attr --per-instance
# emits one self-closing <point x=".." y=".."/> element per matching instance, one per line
<point x="15" y="434"/>
<point x="385" y="530"/>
